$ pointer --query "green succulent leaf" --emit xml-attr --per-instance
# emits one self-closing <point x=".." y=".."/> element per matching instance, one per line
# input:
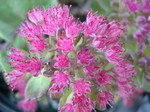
<point x="37" y="87"/>
<point x="65" y="97"/>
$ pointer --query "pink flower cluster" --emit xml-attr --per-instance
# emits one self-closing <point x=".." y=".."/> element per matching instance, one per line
<point x="142" y="21"/>
<point x="75" y="49"/>
<point x="16" y="82"/>
<point x="135" y="6"/>
<point x="22" y="64"/>
<point x="142" y="33"/>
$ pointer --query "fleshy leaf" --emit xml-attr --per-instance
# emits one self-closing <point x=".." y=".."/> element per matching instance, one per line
<point x="37" y="87"/>
<point x="66" y="96"/>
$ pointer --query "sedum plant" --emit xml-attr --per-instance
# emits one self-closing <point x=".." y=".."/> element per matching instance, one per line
<point x="80" y="63"/>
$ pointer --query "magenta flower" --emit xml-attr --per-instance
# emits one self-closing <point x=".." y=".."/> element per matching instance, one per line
<point x="37" y="45"/>
<point x="81" y="87"/>
<point x="91" y="69"/>
<point x="97" y="26"/>
<point x="104" y="97"/>
<point x="62" y="61"/>
<point x="65" y="44"/>
<point x="68" y="107"/>
<point x="132" y="5"/>
<point x="14" y="78"/>
<point x="85" y="57"/>
<point x="83" y="103"/>
<point x="61" y="80"/>
<point x="20" y="63"/>
<point x="59" y="17"/>
<point x="28" y="106"/>
<point x="16" y="55"/>
<point x="103" y="78"/>
<point x="146" y="6"/>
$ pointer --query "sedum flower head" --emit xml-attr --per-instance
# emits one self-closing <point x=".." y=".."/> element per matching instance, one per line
<point x="77" y="56"/>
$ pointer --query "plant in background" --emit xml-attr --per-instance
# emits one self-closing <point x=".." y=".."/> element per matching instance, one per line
<point x="82" y="62"/>
<point x="136" y="21"/>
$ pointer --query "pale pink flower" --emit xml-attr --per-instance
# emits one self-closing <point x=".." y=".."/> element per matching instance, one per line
<point x="104" y="98"/>
<point x="61" y="79"/>
<point x="146" y="6"/>
<point x="114" y="53"/>
<point x="28" y="106"/>
<point x="144" y="27"/>
<point x="103" y="78"/>
<point x="125" y="90"/>
<point x="124" y="22"/>
<point x="124" y="69"/>
<point x="35" y="15"/>
<point x="85" y="57"/>
<point x="132" y="5"/>
<point x="65" y="44"/>
<point x="123" y="80"/>
<point x="81" y="87"/>
<point x="62" y="61"/>
<point x="128" y="102"/>
<point x="21" y="88"/>
<point x="141" y="48"/>
<point x="139" y="36"/>
<point x="142" y="19"/>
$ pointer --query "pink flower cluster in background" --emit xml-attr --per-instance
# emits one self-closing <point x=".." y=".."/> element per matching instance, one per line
<point x="79" y="55"/>
<point x="135" y="6"/>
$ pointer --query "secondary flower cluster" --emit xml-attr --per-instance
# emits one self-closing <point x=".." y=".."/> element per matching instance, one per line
<point x="77" y="56"/>
<point x="135" y="6"/>
<point x="142" y="22"/>
<point x="138" y="21"/>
